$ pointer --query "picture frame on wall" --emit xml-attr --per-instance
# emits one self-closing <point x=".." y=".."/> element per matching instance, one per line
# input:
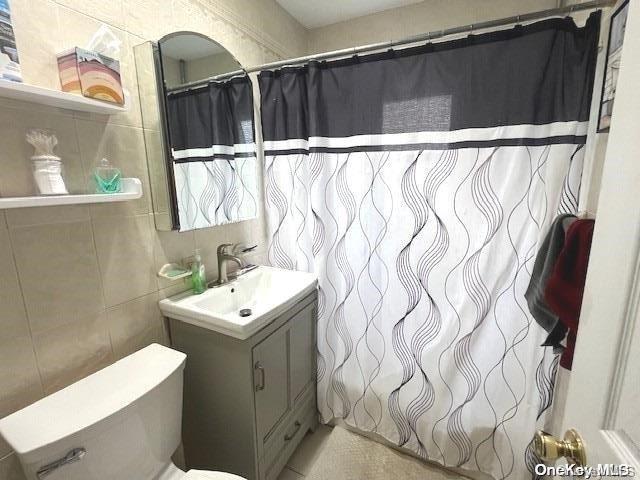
<point x="612" y="65"/>
<point x="9" y="61"/>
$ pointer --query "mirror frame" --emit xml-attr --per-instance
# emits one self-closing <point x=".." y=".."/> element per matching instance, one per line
<point x="148" y="57"/>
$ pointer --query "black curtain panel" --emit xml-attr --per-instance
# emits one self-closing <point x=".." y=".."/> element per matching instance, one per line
<point x="530" y="75"/>
<point x="418" y="185"/>
<point x="212" y="121"/>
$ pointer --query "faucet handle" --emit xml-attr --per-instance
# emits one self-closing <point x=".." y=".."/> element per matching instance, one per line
<point x="239" y="248"/>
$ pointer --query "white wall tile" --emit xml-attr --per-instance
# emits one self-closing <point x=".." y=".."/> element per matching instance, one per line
<point x="125" y="254"/>
<point x="65" y="355"/>
<point x="58" y="271"/>
<point x="10" y="468"/>
<point x="134" y="325"/>
<point x="24" y="217"/>
<point x="37" y="19"/>
<point x="19" y="375"/>
<point x="111" y="12"/>
<point x="19" y="378"/>
<point x="13" y="317"/>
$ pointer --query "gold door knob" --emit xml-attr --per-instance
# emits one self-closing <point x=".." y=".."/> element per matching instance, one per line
<point x="547" y="447"/>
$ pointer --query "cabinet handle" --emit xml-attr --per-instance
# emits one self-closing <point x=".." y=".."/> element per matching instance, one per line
<point x="260" y="368"/>
<point x="289" y="436"/>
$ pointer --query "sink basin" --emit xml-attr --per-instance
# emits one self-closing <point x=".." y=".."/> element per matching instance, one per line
<point x="265" y="291"/>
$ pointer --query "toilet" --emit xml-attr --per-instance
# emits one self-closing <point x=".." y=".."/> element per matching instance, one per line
<point x="121" y="423"/>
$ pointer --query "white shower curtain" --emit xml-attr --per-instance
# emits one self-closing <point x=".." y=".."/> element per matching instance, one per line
<point x="423" y="240"/>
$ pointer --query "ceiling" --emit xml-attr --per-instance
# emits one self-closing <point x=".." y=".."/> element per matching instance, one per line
<point x="313" y="14"/>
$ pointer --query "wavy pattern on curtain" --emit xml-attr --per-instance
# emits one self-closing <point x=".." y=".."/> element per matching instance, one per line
<point x="216" y="192"/>
<point x="423" y="240"/>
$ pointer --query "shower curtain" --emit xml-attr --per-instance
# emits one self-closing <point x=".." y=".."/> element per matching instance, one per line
<point x="213" y="153"/>
<point x="418" y="184"/>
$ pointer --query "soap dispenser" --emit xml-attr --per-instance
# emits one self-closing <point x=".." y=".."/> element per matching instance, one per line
<point x="198" y="277"/>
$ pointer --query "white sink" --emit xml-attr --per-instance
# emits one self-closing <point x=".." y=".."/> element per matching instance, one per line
<point x="267" y="291"/>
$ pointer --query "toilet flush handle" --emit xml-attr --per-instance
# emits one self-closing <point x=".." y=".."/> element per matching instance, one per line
<point x="74" y="455"/>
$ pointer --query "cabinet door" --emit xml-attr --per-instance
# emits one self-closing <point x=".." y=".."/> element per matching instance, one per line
<point x="302" y="344"/>
<point x="270" y="381"/>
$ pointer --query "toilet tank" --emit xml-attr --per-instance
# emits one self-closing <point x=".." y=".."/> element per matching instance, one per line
<point x="121" y="423"/>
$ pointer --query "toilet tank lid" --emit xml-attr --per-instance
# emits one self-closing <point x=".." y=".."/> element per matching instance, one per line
<point x="90" y="400"/>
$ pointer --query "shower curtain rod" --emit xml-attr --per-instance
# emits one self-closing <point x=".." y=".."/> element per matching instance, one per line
<point x="525" y="17"/>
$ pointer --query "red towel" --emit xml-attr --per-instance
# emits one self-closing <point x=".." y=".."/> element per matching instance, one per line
<point x="565" y="287"/>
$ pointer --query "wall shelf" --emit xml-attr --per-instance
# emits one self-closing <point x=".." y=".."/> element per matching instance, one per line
<point x="131" y="190"/>
<point x="57" y="98"/>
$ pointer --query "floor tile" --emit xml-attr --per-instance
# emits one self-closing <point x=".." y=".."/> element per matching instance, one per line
<point x="309" y="449"/>
<point x="288" y="474"/>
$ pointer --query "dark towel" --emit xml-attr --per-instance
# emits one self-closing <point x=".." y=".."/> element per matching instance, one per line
<point x="565" y="287"/>
<point x="542" y="269"/>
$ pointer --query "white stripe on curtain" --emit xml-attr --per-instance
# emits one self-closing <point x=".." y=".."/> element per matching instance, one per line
<point x="573" y="128"/>
<point x="213" y="150"/>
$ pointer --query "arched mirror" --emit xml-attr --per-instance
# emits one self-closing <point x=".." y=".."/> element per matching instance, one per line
<point x="197" y="108"/>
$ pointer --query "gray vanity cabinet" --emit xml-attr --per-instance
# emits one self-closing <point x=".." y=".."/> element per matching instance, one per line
<point x="248" y="403"/>
<point x="271" y="394"/>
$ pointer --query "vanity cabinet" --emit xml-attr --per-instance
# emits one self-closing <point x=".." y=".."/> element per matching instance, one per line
<point x="248" y="403"/>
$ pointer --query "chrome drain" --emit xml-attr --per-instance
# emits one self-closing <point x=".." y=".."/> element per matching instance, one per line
<point x="245" y="312"/>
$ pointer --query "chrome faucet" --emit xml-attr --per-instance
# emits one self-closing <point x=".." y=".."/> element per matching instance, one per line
<point x="225" y="256"/>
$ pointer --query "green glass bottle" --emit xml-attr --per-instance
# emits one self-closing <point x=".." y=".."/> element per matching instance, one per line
<point x="198" y="277"/>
